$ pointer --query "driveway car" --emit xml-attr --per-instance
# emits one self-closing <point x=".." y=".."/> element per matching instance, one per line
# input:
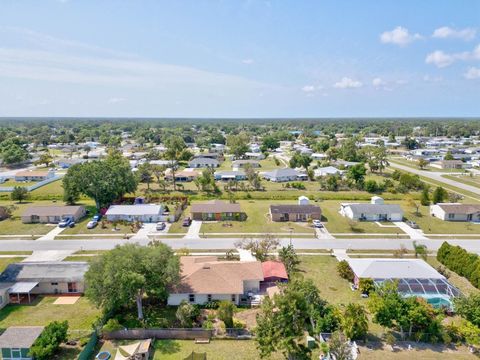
<point x="161" y="226"/>
<point x="66" y="223"/>
<point x="317" y="224"/>
<point x="91" y="224"/>
<point x="412" y="224"/>
<point x="186" y="222"/>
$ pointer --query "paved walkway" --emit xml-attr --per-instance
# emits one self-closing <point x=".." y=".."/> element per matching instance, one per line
<point x="322" y="233"/>
<point x="194" y="230"/>
<point x="51" y="234"/>
<point x="340" y="254"/>
<point x="48" y="255"/>
<point x="413" y="233"/>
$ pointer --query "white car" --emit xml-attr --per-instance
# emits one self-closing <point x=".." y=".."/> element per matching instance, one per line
<point x="91" y="224"/>
<point x="317" y="224"/>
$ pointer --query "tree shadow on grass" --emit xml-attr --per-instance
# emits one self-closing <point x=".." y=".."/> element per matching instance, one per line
<point x="167" y="346"/>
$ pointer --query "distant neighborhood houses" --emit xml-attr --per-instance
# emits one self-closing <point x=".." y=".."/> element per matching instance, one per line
<point x="284" y="175"/>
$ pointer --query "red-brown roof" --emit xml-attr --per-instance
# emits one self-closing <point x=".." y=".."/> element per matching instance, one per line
<point x="274" y="269"/>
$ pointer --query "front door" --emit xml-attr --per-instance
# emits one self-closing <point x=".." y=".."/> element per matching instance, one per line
<point x="72" y="287"/>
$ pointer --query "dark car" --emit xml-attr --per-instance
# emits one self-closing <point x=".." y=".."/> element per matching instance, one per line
<point x="412" y="224"/>
<point x="97" y="217"/>
<point x="66" y="223"/>
<point x="186" y="222"/>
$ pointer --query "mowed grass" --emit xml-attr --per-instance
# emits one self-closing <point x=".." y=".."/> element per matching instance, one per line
<point x="51" y="190"/>
<point x="14" y="225"/>
<point x="465" y="179"/>
<point x="4" y="262"/>
<point x="12" y="182"/>
<point x="80" y="315"/>
<point x="439" y="353"/>
<point x="258" y="221"/>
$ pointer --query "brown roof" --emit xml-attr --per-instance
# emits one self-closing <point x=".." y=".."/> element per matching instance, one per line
<point x="31" y="173"/>
<point x="294" y="209"/>
<point x="51" y="210"/>
<point x="216" y="206"/>
<point x="460" y="208"/>
<point x="207" y="275"/>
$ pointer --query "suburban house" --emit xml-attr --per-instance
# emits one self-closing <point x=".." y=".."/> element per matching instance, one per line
<point x="140" y="212"/>
<point x="415" y="278"/>
<point x="327" y="170"/>
<point x="34" y="175"/>
<point x="456" y="212"/>
<point x="21" y="280"/>
<point x="203" y="162"/>
<point x="254" y="155"/>
<point x="376" y="210"/>
<point x="238" y="164"/>
<point x="217" y="210"/>
<point x="282" y="175"/>
<point x="319" y="156"/>
<point x="205" y="278"/>
<point x="237" y="175"/>
<point x="52" y="214"/>
<point x="16" y="341"/>
<point x="302" y="211"/>
<point x="210" y="155"/>
<point x="448" y="164"/>
<point x="186" y="175"/>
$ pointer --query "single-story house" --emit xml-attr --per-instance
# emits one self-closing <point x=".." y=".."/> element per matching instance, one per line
<point x="253" y="155"/>
<point x="238" y="164"/>
<point x="448" y="164"/>
<point x="415" y="278"/>
<point x="16" y="341"/>
<point x="376" y="210"/>
<point x="295" y="212"/>
<point x="319" y="156"/>
<point x="34" y="175"/>
<point x="205" y="278"/>
<point x="203" y="162"/>
<point x="327" y="170"/>
<point x="52" y="214"/>
<point x="140" y="212"/>
<point x="186" y="175"/>
<point x="282" y="175"/>
<point x="345" y="164"/>
<point x="217" y="210"/>
<point x="20" y="280"/>
<point x="456" y="212"/>
<point x="230" y="175"/>
<point x="210" y="155"/>
<point x="166" y="163"/>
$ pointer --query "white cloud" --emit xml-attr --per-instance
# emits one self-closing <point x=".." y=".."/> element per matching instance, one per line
<point x="446" y="32"/>
<point x="248" y="61"/>
<point x="472" y="73"/>
<point x="434" y="79"/>
<point x="347" y="83"/>
<point x="116" y="100"/>
<point x="398" y="36"/>
<point x="378" y="82"/>
<point x="441" y="59"/>
<point x="308" y="88"/>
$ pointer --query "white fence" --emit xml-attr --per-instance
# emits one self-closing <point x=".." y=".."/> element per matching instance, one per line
<point x="34" y="186"/>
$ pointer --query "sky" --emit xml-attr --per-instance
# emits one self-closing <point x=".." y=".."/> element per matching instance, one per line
<point x="234" y="58"/>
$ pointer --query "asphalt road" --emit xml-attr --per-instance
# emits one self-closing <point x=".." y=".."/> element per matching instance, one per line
<point x="472" y="245"/>
<point x="438" y="177"/>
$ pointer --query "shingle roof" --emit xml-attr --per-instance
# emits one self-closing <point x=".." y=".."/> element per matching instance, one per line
<point x="140" y="209"/>
<point x="216" y="206"/>
<point x="32" y="173"/>
<point x="44" y="271"/>
<point x="203" y="160"/>
<point x="51" y="210"/>
<point x="282" y="172"/>
<point x="393" y="269"/>
<point x="375" y="208"/>
<point x="460" y="208"/>
<point x="274" y="269"/>
<point x="20" y="336"/>
<point x="207" y="275"/>
<point x="297" y="209"/>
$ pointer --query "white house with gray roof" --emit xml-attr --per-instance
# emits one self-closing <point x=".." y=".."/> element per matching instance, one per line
<point x="376" y="210"/>
<point x="456" y="212"/>
<point x="203" y="162"/>
<point x="16" y="341"/>
<point x="282" y="175"/>
<point x="141" y="212"/>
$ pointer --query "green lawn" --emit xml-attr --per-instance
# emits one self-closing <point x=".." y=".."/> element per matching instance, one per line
<point x="336" y="223"/>
<point x="12" y="182"/>
<point x="423" y="353"/>
<point x="465" y="179"/>
<point x="258" y="221"/>
<point x="53" y="189"/>
<point x="81" y="227"/>
<point x="413" y="164"/>
<point x="14" y="225"/>
<point x="4" y="262"/>
<point x="80" y="316"/>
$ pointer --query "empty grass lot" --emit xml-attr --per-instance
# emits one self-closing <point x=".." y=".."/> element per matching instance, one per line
<point x="80" y="315"/>
<point x="258" y="221"/>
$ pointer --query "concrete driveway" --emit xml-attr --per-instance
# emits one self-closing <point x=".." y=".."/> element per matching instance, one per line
<point x="413" y="233"/>
<point x="51" y="234"/>
<point x="142" y="234"/>
<point x="194" y="230"/>
<point x="48" y="255"/>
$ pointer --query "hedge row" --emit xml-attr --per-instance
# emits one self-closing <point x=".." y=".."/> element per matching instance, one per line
<point x="460" y="261"/>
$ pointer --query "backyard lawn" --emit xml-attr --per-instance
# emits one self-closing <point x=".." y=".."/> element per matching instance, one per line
<point x="51" y="190"/>
<point x="12" y="182"/>
<point x="80" y="315"/>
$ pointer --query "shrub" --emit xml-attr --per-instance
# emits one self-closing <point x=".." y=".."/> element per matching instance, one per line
<point x="207" y="325"/>
<point x="345" y="271"/>
<point x="112" y="325"/>
<point x="212" y="304"/>
<point x="238" y="324"/>
<point x="370" y="186"/>
<point x="460" y="261"/>
<point x="49" y="340"/>
<point x="225" y="312"/>
<point x="366" y="285"/>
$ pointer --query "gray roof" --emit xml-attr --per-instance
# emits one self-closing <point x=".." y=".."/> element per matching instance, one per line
<point x="375" y="208"/>
<point x="216" y="206"/>
<point x="20" y="336"/>
<point x="459" y="208"/>
<point x="203" y="160"/>
<point x="282" y="172"/>
<point x="135" y="210"/>
<point x="44" y="271"/>
<point x="57" y="210"/>
<point x="296" y="209"/>
<point x="393" y="269"/>
<point x="231" y="172"/>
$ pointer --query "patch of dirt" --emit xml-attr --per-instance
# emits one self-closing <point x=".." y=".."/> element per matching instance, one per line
<point x="249" y="317"/>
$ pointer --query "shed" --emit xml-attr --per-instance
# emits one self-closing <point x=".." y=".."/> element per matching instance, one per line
<point x="16" y="341"/>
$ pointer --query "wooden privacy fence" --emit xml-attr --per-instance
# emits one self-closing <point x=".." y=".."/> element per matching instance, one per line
<point x="178" y="334"/>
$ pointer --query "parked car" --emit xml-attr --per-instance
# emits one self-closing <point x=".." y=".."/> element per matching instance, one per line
<point x="187" y="221"/>
<point x="91" y="224"/>
<point x="317" y="224"/>
<point x="66" y="223"/>
<point x="412" y="224"/>
<point x="161" y="226"/>
<point x="97" y="217"/>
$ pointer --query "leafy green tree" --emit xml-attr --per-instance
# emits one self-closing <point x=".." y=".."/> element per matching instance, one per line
<point x="366" y="285"/>
<point x="420" y="250"/>
<point x="439" y="195"/>
<point x="339" y="348"/>
<point x="349" y="150"/>
<point x="127" y="273"/>
<point x="226" y="310"/>
<point x="260" y="248"/>
<point x="371" y="186"/>
<point x="238" y="144"/>
<point x="145" y="174"/>
<point x="425" y="196"/>
<point x="270" y="143"/>
<point x="355" y="321"/>
<point x="300" y="160"/>
<point x="103" y="180"/>
<point x="19" y="194"/>
<point x="289" y="258"/>
<point x="469" y="308"/>
<point x="187" y="313"/>
<point x="345" y="271"/>
<point x="45" y="158"/>
<point x="49" y="341"/>
<point x="422" y="163"/>
<point x="11" y="152"/>
<point x="357" y="173"/>
<point x="176" y="148"/>
<point x="448" y="156"/>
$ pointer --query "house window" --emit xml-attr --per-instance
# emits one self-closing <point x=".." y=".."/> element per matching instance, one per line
<point x="54" y="283"/>
<point x="234" y="297"/>
<point x="191" y="298"/>
<point x="451" y="216"/>
<point x="16" y="353"/>
<point x="209" y="297"/>
<point x="72" y="287"/>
